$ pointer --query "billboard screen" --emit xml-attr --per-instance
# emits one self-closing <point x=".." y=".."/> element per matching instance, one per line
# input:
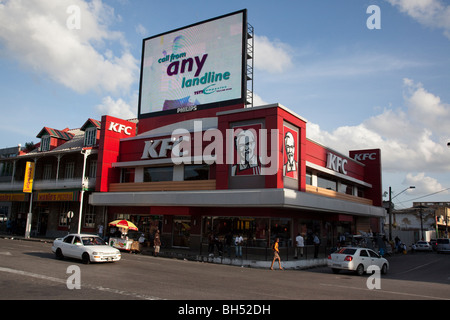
<point x="195" y="67"/>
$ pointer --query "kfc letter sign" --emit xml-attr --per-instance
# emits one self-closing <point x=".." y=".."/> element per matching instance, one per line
<point x="116" y="127"/>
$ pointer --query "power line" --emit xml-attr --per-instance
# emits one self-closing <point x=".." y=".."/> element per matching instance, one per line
<point x="426" y="195"/>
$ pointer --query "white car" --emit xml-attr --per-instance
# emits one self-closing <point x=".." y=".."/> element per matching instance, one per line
<point x="356" y="259"/>
<point x="87" y="247"/>
<point x="423" y="246"/>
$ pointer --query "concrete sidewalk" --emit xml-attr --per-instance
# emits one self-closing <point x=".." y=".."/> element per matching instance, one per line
<point x="192" y="256"/>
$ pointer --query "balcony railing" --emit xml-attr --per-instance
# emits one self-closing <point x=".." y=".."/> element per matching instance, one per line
<point x="89" y="183"/>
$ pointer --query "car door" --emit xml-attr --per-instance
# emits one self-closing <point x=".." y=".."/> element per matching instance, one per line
<point x="77" y="247"/>
<point x="375" y="259"/>
<point x="66" y="246"/>
<point x="365" y="258"/>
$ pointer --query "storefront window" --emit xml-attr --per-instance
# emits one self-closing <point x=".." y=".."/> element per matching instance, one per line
<point x="196" y="172"/>
<point x="181" y="231"/>
<point x="127" y="175"/>
<point x="345" y="188"/>
<point x="281" y="228"/>
<point x="154" y="174"/>
<point x="255" y="231"/>
<point x="64" y="209"/>
<point x="326" y="183"/>
<point x="308" y="178"/>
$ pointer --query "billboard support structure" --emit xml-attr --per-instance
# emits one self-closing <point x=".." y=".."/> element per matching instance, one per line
<point x="249" y="65"/>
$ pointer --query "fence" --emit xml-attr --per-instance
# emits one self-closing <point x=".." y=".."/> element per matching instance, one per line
<point x="266" y="254"/>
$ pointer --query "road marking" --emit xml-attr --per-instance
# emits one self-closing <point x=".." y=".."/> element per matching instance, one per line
<point x="418" y="267"/>
<point x="63" y="281"/>
<point x="6" y="253"/>
<point x="385" y="291"/>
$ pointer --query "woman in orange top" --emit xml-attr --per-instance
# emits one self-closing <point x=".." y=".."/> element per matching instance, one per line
<point x="276" y="254"/>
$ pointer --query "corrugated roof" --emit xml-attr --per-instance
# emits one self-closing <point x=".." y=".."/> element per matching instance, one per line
<point x="94" y="122"/>
<point x="60" y="134"/>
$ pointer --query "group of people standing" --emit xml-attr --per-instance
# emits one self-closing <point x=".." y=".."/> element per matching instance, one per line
<point x="225" y="246"/>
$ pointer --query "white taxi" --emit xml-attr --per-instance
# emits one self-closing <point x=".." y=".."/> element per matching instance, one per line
<point x="356" y="259"/>
<point x="87" y="247"/>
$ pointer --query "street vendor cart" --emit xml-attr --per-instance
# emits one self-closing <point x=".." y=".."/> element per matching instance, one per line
<point x="119" y="239"/>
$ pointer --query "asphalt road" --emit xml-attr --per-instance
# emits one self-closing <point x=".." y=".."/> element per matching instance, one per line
<point x="29" y="271"/>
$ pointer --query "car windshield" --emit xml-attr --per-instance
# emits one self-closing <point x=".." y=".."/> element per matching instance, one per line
<point x="93" y="241"/>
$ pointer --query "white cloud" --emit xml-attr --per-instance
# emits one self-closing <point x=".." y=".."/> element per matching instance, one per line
<point x="119" y="108"/>
<point x="425" y="184"/>
<point x="258" y="101"/>
<point x="36" y="33"/>
<point x="430" y="13"/>
<point x="411" y="139"/>
<point x="272" y="56"/>
<point x="427" y="107"/>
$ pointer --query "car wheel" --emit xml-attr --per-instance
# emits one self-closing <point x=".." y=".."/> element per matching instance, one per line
<point x="384" y="269"/>
<point x="360" y="270"/>
<point x="85" y="258"/>
<point x="336" y="271"/>
<point x="59" y="254"/>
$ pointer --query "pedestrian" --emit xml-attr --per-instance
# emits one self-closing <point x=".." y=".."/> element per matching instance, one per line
<point x="238" y="244"/>
<point x="276" y="254"/>
<point x="141" y="241"/>
<point x="157" y="243"/>
<point x="316" y="241"/>
<point x="299" y="245"/>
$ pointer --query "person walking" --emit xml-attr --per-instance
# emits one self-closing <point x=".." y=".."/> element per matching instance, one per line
<point x="276" y="254"/>
<point x="157" y="243"/>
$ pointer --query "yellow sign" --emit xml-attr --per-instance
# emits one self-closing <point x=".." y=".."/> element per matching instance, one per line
<point x="29" y="176"/>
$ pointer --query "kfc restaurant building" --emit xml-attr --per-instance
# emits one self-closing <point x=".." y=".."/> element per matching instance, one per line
<point x="234" y="170"/>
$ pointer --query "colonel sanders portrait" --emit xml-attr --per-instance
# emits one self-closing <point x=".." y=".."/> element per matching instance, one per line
<point x="291" y="165"/>
<point x="245" y="143"/>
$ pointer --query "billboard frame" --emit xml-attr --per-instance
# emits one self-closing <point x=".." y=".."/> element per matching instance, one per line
<point x="223" y="103"/>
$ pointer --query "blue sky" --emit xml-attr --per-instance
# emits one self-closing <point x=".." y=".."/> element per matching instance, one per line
<point x="358" y="88"/>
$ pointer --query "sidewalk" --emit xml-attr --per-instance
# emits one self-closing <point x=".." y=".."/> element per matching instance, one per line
<point x="174" y="253"/>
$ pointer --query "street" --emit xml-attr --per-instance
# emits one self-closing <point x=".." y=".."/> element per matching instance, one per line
<point x="29" y="271"/>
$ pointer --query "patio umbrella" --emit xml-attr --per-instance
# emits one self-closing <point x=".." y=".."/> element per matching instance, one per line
<point x="123" y="224"/>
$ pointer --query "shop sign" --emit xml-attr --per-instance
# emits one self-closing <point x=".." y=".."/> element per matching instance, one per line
<point x="55" y="196"/>
<point x="336" y="163"/>
<point x="7" y="197"/>
<point x="117" y="127"/>
<point x="245" y="147"/>
<point x="29" y="176"/>
<point x="365" y="156"/>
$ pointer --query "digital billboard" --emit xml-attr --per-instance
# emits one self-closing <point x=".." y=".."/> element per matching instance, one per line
<point x="194" y="67"/>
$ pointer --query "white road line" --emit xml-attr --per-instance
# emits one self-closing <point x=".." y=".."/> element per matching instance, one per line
<point x="62" y="281"/>
<point x="418" y="267"/>
<point x="386" y="291"/>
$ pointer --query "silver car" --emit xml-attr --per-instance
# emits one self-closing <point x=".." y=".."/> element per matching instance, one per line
<point x="87" y="247"/>
<point x="356" y="259"/>
<point x="443" y="245"/>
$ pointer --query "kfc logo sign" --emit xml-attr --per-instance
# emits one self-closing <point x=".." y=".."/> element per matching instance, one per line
<point x="365" y="156"/>
<point x="151" y="146"/>
<point x="117" y="127"/>
<point x="336" y="163"/>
